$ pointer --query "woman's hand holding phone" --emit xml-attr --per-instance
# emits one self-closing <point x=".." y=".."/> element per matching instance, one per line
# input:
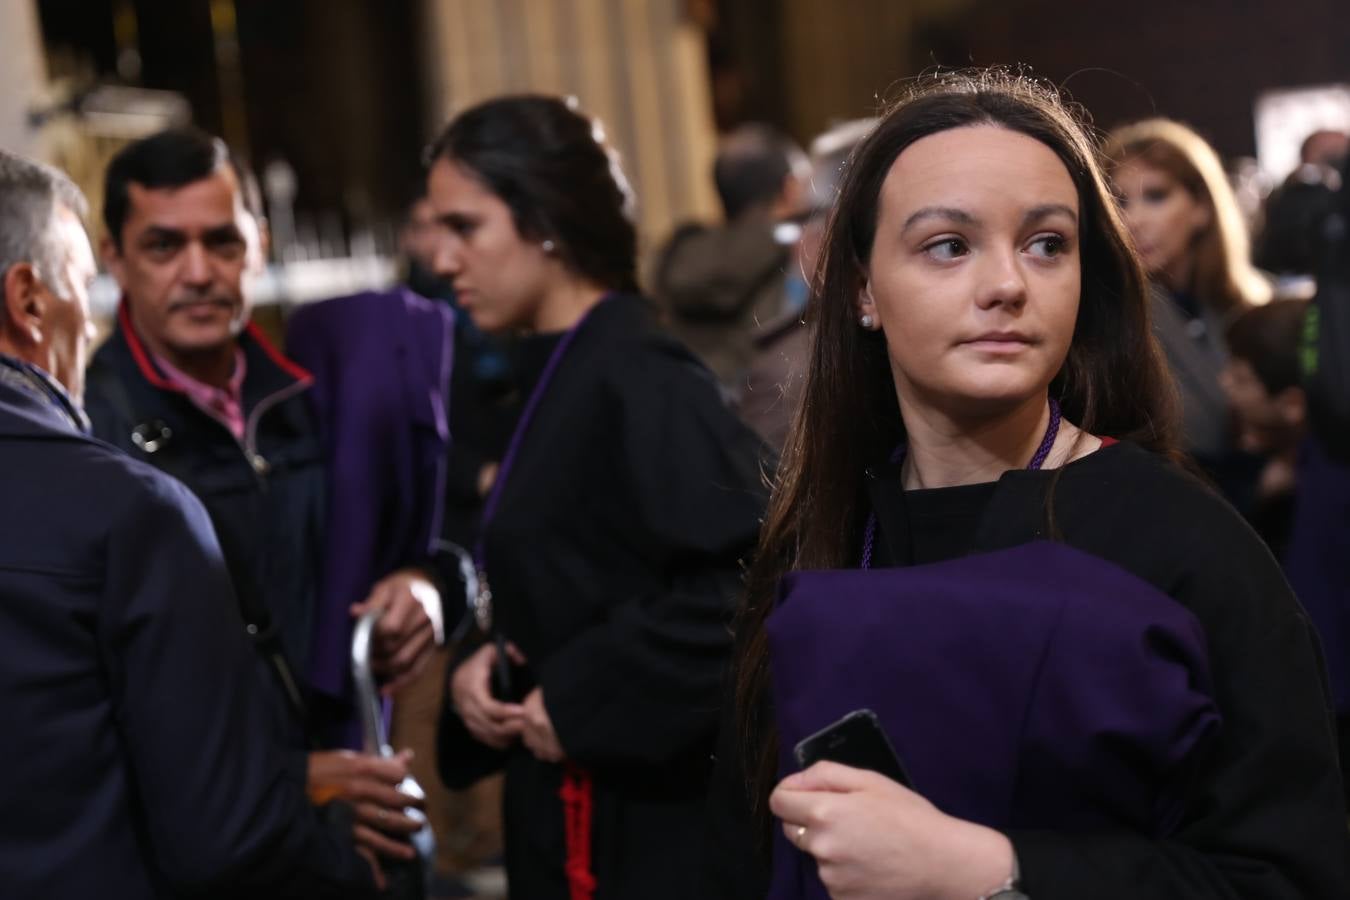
<point x="873" y="838"/>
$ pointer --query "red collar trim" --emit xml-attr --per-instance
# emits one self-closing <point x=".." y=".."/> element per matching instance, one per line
<point x="290" y="367"/>
<point x="152" y="375"/>
<point x="139" y="353"/>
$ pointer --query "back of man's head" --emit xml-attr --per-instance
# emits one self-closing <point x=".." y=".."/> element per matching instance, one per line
<point x="753" y="165"/>
<point x="46" y="265"/>
<point x="31" y="194"/>
<point x="169" y="159"/>
<point x="1326" y="147"/>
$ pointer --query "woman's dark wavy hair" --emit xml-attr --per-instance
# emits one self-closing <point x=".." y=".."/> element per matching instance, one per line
<point x="1114" y="380"/>
<point x="550" y="165"/>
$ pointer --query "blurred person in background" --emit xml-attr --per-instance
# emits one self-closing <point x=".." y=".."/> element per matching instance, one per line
<point x="1319" y="544"/>
<point x="1287" y="243"/>
<point x="1190" y="235"/>
<point x="144" y="756"/>
<point x="188" y="385"/>
<point x="610" y="545"/>
<point x="774" y="380"/>
<point x="720" y="285"/>
<point x="1264" y="384"/>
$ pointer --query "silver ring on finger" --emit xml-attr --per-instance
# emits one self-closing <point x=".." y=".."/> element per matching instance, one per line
<point x="799" y="836"/>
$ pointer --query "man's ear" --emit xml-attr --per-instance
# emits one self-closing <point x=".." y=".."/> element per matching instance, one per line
<point x="26" y="301"/>
<point x="112" y="259"/>
<point x="264" y="244"/>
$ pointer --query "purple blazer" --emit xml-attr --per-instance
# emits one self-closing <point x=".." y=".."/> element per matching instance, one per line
<point x="381" y="365"/>
<point x="1036" y="687"/>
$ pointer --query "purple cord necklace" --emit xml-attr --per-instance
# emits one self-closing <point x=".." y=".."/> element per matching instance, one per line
<point x="482" y="606"/>
<point x="1037" y="461"/>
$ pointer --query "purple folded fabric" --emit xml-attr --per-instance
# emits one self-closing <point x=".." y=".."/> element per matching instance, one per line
<point x="1036" y="687"/>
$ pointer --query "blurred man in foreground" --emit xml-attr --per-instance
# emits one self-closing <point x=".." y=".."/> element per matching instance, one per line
<point x="143" y="756"/>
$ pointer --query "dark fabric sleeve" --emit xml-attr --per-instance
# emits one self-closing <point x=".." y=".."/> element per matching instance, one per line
<point x="1264" y="817"/>
<point x="644" y="686"/>
<point x="204" y="732"/>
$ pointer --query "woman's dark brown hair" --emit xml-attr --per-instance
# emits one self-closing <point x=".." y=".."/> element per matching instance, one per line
<point x="550" y="165"/>
<point x="1113" y="382"/>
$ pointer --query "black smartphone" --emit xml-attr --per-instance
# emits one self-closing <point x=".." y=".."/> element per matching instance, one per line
<point x="856" y="740"/>
<point x="510" y="682"/>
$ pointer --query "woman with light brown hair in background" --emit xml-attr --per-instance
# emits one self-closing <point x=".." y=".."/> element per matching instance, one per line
<point x="1189" y="233"/>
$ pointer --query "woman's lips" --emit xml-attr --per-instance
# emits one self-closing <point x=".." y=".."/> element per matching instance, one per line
<point x="999" y="343"/>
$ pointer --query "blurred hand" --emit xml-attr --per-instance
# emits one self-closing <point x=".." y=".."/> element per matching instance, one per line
<point x="490" y="721"/>
<point x="873" y="838"/>
<point x="412" y="625"/>
<point x="369" y="784"/>
<point x="537" y="732"/>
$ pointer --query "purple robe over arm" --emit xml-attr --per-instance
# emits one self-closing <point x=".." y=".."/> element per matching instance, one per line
<point x="381" y="365"/>
<point x="1036" y="687"/>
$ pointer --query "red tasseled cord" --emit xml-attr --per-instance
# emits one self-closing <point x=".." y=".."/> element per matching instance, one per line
<point x="576" y="794"/>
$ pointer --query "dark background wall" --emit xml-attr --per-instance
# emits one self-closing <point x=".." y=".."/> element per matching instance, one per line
<point x="1203" y="61"/>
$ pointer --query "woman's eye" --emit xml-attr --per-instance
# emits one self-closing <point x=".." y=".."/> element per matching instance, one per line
<point x="948" y="249"/>
<point x="1156" y="195"/>
<point x="1048" y="245"/>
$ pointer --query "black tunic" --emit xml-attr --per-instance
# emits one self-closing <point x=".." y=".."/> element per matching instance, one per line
<point x="1265" y="818"/>
<point x="615" y="558"/>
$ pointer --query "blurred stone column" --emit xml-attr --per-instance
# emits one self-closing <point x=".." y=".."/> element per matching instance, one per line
<point x="23" y="76"/>
<point x="640" y="66"/>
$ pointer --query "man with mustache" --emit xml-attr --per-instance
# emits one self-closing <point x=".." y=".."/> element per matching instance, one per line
<point x="188" y="384"/>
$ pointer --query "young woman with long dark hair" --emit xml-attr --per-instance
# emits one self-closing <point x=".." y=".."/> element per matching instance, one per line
<point x="611" y="538"/>
<point x="1091" y="669"/>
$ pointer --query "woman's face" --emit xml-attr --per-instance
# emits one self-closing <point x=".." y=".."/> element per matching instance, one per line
<point x="1163" y="216"/>
<point x="500" y="277"/>
<point x="974" y="273"/>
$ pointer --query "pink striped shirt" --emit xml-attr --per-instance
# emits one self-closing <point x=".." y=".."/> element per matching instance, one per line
<point x="225" y="405"/>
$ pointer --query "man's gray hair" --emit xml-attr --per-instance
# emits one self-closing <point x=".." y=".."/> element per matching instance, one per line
<point x="30" y="194"/>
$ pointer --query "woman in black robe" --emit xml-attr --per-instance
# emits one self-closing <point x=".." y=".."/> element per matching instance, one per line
<point x="613" y="534"/>
<point x="1092" y="671"/>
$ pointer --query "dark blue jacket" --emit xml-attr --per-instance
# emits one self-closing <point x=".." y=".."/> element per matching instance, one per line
<point x="143" y="755"/>
<point x="265" y="494"/>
